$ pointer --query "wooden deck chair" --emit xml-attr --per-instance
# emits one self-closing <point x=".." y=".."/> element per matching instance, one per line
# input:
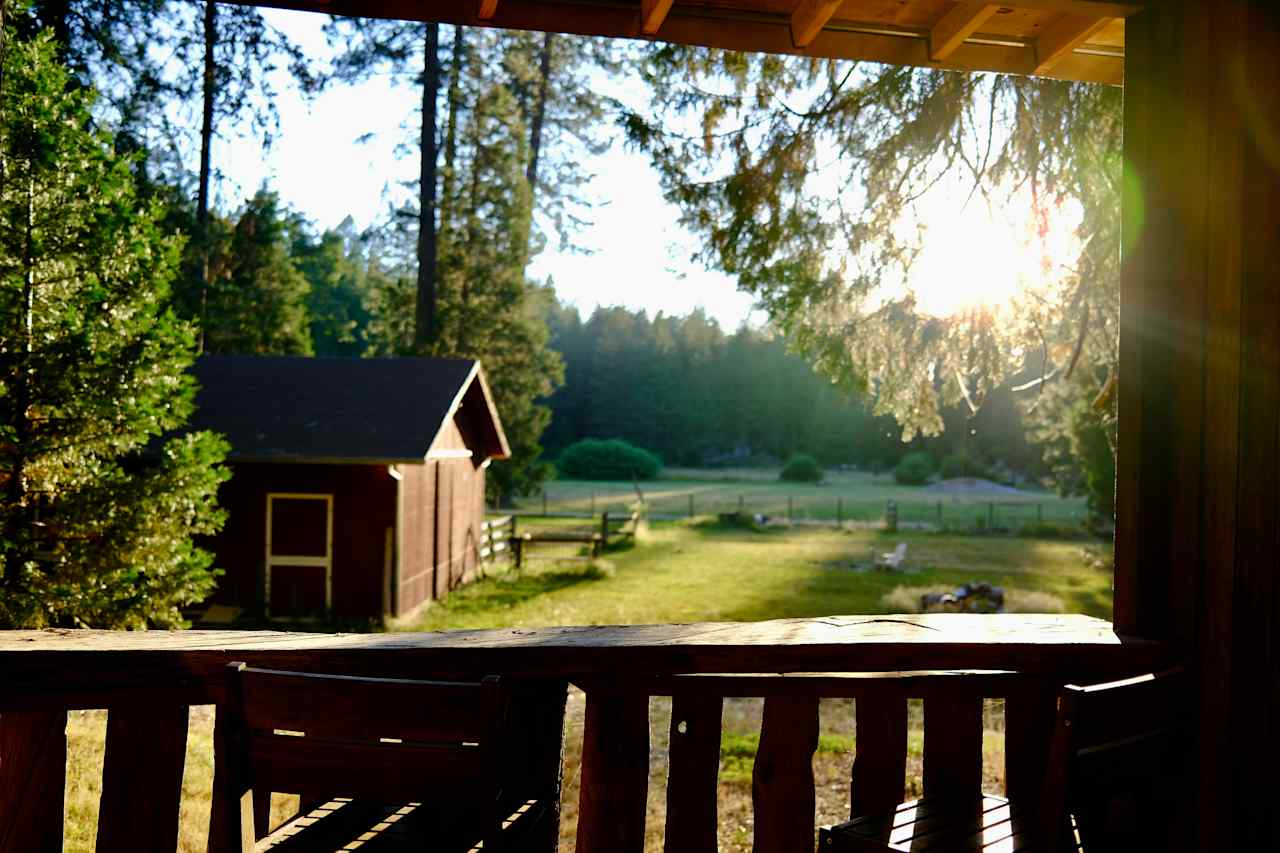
<point x="396" y="764"/>
<point x="1113" y="775"/>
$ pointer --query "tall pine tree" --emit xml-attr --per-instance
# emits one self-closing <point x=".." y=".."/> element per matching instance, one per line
<point x="97" y="513"/>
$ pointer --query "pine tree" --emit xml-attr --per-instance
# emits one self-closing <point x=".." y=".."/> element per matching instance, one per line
<point x="97" y="511"/>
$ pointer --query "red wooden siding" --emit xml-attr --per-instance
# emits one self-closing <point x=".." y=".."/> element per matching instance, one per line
<point x="364" y="506"/>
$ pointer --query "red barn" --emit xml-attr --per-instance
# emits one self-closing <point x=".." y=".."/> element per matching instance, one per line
<point x="357" y="485"/>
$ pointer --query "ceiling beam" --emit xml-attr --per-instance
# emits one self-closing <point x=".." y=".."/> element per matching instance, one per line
<point x="809" y="18"/>
<point x="1062" y="37"/>
<point x="488" y="8"/>
<point x="652" y="14"/>
<point x="957" y="25"/>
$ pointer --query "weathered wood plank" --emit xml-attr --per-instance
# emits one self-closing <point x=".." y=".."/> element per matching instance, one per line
<point x="960" y="22"/>
<point x="952" y="747"/>
<point x="615" y="773"/>
<point x="33" y="766"/>
<point x="695" y="767"/>
<point x="1028" y="727"/>
<point x="142" y="778"/>
<point x="782" y="791"/>
<point x="880" y="756"/>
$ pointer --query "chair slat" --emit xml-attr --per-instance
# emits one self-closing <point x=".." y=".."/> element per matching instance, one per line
<point x="385" y="772"/>
<point x="1122" y="710"/>
<point x="362" y="708"/>
<point x="782" y="788"/>
<point x="695" y="768"/>
<point x="952" y="746"/>
<point x="142" y="778"/>
<point x="615" y="773"/>
<point x="880" y="756"/>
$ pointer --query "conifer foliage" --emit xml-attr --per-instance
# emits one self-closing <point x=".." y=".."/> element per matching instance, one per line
<point x="97" y="512"/>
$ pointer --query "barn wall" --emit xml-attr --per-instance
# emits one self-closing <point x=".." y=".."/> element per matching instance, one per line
<point x="364" y="508"/>
<point x="418" y="536"/>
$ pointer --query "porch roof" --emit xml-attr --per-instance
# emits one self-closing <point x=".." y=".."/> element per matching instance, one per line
<point x="1067" y="39"/>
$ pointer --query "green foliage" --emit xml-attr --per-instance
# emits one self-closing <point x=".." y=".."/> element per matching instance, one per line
<point x="607" y="459"/>
<point x="801" y="468"/>
<point x="914" y="469"/>
<point x="955" y="465"/>
<point x="97" y="512"/>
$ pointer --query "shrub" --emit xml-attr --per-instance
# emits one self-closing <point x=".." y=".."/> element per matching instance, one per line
<point x="607" y="459"/>
<point x="958" y="465"/>
<point x="915" y="469"/>
<point x="801" y="468"/>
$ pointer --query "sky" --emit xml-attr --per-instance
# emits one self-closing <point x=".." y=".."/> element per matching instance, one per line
<point x="638" y="254"/>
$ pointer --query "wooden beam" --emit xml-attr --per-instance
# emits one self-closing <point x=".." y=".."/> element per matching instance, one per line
<point x="33" y="764"/>
<point x="957" y="25"/>
<point x="1061" y="38"/>
<point x="652" y="14"/>
<point x="146" y="751"/>
<point x="488" y="8"/>
<point x="809" y="18"/>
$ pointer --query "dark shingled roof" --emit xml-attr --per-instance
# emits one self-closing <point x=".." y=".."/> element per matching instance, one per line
<point x="281" y="408"/>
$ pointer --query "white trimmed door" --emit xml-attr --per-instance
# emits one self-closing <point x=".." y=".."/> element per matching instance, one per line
<point x="299" y="554"/>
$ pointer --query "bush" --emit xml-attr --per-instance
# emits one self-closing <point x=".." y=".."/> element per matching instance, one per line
<point x="611" y="459"/>
<point x="801" y="468"/>
<point x="915" y="469"/>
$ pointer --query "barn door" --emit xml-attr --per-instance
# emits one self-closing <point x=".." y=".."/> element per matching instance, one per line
<point x="299" y="565"/>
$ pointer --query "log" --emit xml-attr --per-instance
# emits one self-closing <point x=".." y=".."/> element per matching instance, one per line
<point x="33" y="767"/>
<point x="880" y="756"/>
<point x="142" y="778"/>
<point x="782" y="791"/>
<point x="615" y="773"/>
<point x="694" y="771"/>
<point x="953" y="747"/>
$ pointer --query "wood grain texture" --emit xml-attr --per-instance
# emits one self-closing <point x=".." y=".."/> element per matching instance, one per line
<point x="694" y="769"/>
<point x="615" y="774"/>
<point x="758" y="27"/>
<point x="33" y="761"/>
<point x="782" y="791"/>
<point x="960" y="22"/>
<point x="880" y="757"/>
<point x="652" y="14"/>
<point x="953" y="747"/>
<point x="1028" y="727"/>
<point x="142" y="779"/>
<point x="1064" y="36"/>
<point x="808" y="19"/>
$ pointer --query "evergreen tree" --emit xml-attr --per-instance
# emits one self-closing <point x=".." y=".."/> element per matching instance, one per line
<point x="97" y="511"/>
<point x="257" y="300"/>
<point x="335" y="271"/>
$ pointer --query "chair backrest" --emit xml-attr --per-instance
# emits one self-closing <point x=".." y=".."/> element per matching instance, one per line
<point x="1117" y="760"/>
<point x="380" y="739"/>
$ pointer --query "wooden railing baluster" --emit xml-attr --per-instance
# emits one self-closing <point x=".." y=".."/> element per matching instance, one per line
<point x="1029" y="715"/>
<point x="33" y="769"/>
<point x="694" y="772"/>
<point x="782" y="791"/>
<point x="142" y="778"/>
<point x="880" y="753"/>
<point x="953" y="745"/>
<point x="615" y="773"/>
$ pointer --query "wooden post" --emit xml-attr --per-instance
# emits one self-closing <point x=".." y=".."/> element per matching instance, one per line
<point x="593" y="504"/>
<point x="544" y="501"/>
<point x="782" y="788"/>
<point x="790" y="509"/>
<point x="880" y="756"/>
<point x="939" y="514"/>
<point x="742" y="504"/>
<point x="691" y="504"/>
<point x="146" y="750"/>
<point x="891" y="517"/>
<point x="604" y="526"/>
<point x="615" y="773"/>
<point x="33" y="766"/>
<point x="694" y="769"/>
<point x="991" y="515"/>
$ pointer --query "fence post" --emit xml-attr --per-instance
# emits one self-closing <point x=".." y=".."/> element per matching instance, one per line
<point x="939" y="514"/>
<point x="604" y="526"/>
<point x="991" y="515"/>
<point x="593" y="503"/>
<point x="514" y="519"/>
<point x="839" y="512"/>
<point x="544" y="501"/>
<point x="691" y="504"/>
<point x="789" y="509"/>
<point x="891" y="517"/>
<point x="742" y="504"/>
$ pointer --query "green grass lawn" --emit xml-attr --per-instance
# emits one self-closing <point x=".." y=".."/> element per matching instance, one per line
<point x="686" y="572"/>
<point x="856" y="496"/>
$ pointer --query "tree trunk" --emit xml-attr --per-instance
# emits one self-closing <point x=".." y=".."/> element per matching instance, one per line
<point x="539" y="112"/>
<point x="424" y="328"/>
<point x="206" y="142"/>
<point x="451" y="132"/>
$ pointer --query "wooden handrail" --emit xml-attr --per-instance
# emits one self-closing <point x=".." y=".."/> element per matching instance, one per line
<point x="147" y="679"/>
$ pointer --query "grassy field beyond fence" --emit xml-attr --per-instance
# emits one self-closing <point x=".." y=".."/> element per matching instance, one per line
<point x="847" y="496"/>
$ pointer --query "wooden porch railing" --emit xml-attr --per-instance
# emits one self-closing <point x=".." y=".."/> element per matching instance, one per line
<point x="147" y="680"/>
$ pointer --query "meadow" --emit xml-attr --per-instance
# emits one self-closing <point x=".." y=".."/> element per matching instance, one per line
<point x="690" y="571"/>
<point x="853" y="496"/>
